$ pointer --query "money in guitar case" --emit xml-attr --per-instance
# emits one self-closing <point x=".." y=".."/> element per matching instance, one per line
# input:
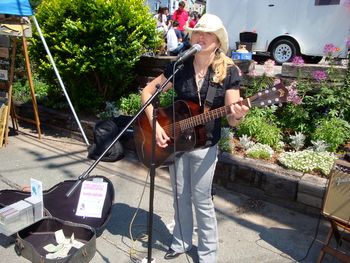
<point x="62" y="235"/>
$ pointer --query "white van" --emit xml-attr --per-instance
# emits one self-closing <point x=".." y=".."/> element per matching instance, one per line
<point x="286" y="28"/>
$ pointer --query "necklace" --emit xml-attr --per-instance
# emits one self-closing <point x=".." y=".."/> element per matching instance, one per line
<point x="200" y="73"/>
<point x="200" y="77"/>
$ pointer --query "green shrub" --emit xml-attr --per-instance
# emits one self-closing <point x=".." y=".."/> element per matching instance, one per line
<point x="131" y="104"/>
<point x="257" y="126"/>
<point x="226" y="141"/>
<point x="333" y="131"/>
<point x="95" y="45"/>
<point x="328" y="97"/>
<point x="21" y="89"/>
<point x="260" y="151"/>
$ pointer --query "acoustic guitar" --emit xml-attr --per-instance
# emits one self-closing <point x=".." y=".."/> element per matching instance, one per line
<point x="188" y="132"/>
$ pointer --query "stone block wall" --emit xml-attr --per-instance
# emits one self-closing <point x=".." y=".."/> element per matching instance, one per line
<point x="299" y="191"/>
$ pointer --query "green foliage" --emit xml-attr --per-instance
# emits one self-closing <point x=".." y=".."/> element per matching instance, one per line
<point x="258" y="126"/>
<point x="334" y="131"/>
<point x="226" y="142"/>
<point x="111" y="110"/>
<point x="246" y="142"/>
<point x="260" y="151"/>
<point x="254" y="84"/>
<point x="308" y="161"/>
<point x="34" y="3"/>
<point x="166" y="98"/>
<point x="21" y="90"/>
<point x="95" y="45"/>
<point x="297" y="141"/>
<point x="328" y="97"/>
<point x="131" y="104"/>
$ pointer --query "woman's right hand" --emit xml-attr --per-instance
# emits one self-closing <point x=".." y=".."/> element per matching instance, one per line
<point x="161" y="137"/>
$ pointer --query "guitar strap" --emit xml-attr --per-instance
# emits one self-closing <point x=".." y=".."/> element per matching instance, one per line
<point x="210" y="93"/>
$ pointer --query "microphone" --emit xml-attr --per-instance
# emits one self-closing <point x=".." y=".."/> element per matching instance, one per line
<point x="188" y="53"/>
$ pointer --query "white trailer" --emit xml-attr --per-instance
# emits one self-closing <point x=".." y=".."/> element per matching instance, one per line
<point x="286" y="28"/>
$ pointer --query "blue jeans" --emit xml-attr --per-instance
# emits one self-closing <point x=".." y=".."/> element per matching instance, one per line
<point x="191" y="178"/>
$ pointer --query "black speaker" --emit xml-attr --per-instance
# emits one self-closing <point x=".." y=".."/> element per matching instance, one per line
<point x="337" y="199"/>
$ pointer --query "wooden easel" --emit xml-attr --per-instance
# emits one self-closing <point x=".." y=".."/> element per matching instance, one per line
<point x="11" y="110"/>
<point x="337" y="210"/>
<point x="337" y="230"/>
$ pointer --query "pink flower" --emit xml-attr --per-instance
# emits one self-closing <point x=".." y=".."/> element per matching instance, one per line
<point x="329" y="49"/>
<point x="319" y="75"/>
<point x="293" y="94"/>
<point x="293" y="97"/>
<point x="298" y="61"/>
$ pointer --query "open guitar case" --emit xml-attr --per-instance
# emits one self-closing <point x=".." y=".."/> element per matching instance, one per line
<point x="59" y="213"/>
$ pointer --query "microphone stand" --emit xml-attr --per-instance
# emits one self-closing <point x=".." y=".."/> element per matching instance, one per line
<point x="152" y="168"/>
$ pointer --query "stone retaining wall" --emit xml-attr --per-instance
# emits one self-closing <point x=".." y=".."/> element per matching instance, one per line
<point x="295" y="190"/>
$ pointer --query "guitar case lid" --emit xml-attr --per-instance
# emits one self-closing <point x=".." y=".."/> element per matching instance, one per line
<point x="57" y="205"/>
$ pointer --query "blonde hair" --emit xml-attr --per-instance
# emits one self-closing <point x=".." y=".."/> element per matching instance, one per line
<point x="220" y="65"/>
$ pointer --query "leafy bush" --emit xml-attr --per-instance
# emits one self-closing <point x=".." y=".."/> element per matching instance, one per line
<point x="297" y="141"/>
<point x="333" y="131"/>
<point x="21" y="89"/>
<point x="260" y="151"/>
<point x="319" y="146"/>
<point x="256" y="125"/>
<point x="226" y="142"/>
<point x="131" y="104"/>
<point x="246" y="142"/>
<point x="325" y="94"/>
<point x="95" y="45"/>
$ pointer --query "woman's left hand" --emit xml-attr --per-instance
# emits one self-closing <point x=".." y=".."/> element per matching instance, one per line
<point x="238" y="110"/>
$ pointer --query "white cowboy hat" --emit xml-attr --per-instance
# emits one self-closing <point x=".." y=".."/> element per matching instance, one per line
<point x="211" y="23"/>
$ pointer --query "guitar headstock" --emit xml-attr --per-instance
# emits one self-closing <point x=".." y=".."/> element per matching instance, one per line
<point x="276" y="95"/>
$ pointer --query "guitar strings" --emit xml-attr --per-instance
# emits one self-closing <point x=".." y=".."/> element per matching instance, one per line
<point x="196" y="120"/>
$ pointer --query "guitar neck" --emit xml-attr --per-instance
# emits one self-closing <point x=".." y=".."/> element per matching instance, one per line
<point x="208" y="116"/>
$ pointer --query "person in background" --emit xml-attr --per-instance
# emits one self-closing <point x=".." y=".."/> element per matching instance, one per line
<point x="161" y="20"/>
<point x="192" y="172"/>
<point x="181" y="15"/>
<point x="195" y="16"/>
<point x="174" y="39"/>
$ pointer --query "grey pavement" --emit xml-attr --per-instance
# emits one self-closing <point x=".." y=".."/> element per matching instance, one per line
<point x="250" y="230"/>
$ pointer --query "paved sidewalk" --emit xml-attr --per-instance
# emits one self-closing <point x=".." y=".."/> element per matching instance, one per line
<point x="250" y="230"/>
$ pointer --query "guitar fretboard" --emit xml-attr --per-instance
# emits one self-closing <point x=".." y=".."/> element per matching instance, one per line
<point x="207" y="116"/>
